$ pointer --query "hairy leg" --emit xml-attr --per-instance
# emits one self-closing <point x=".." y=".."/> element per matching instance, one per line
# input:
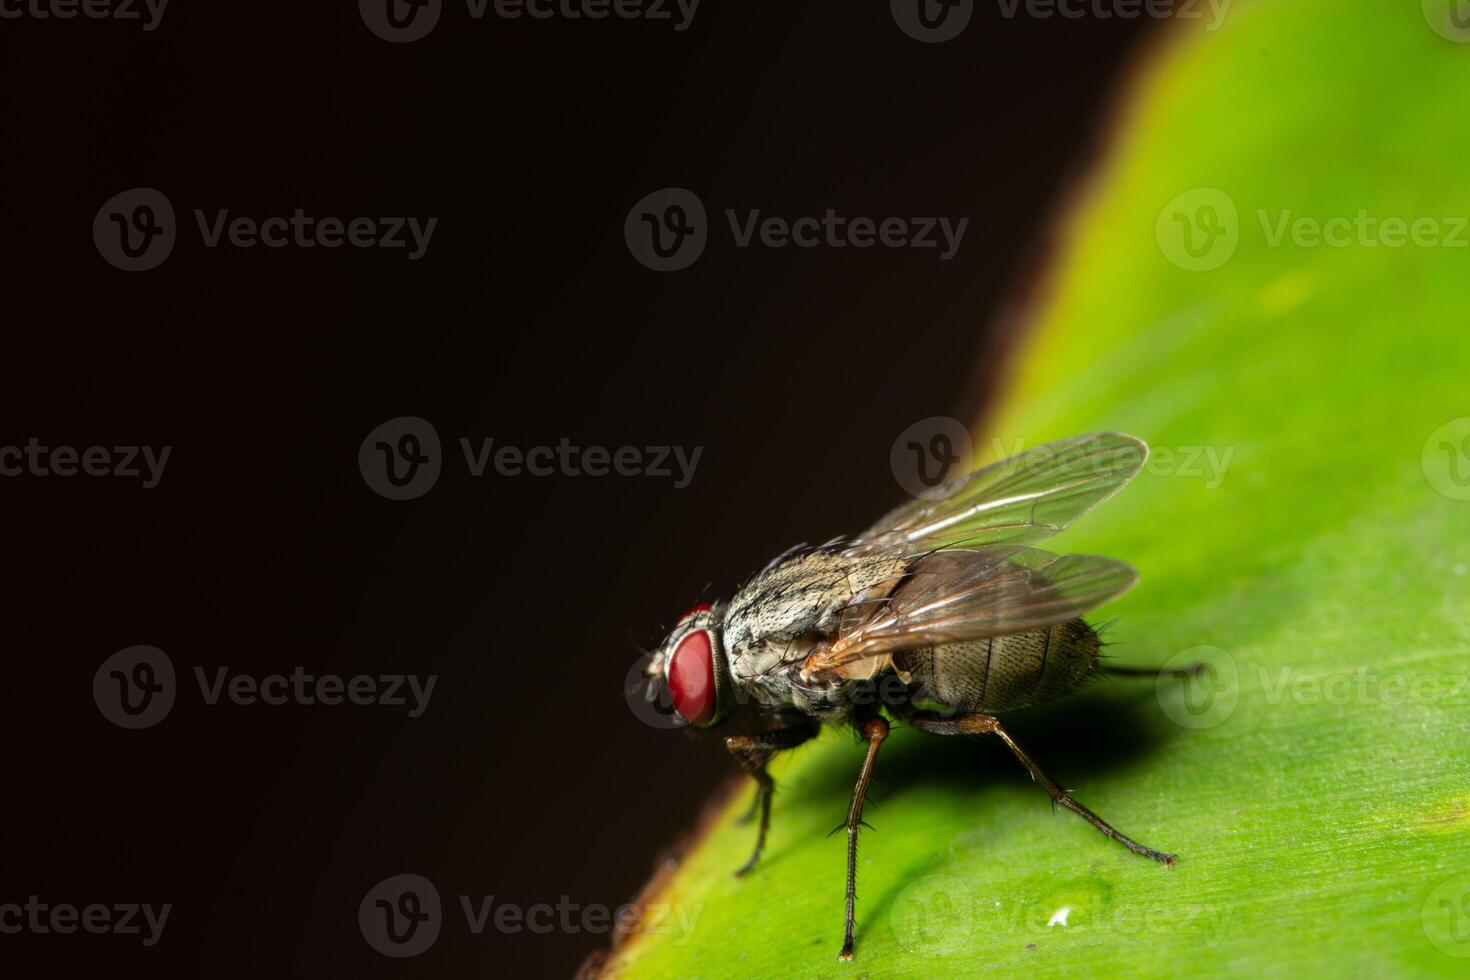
<point x="753" y="752"/>
<point x="874" y="731"/>
<point x="978" y="724"/>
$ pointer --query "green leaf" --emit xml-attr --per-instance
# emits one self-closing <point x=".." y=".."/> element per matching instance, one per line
<point x="1303" y="525"/>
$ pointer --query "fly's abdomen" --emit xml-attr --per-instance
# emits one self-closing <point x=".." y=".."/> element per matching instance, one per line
<point x="1006" y="672"/>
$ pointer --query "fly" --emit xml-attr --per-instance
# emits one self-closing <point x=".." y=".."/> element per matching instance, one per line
<point x="946" y="594"/>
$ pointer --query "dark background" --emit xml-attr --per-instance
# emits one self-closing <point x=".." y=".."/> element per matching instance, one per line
<point x="263" y="549"/>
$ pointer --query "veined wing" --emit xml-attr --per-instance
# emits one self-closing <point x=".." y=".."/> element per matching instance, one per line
<point x="959" y="595"/>
<point x="1020" y="500"/>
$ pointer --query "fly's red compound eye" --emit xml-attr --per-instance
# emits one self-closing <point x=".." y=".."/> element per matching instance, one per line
<point x="702" y="607"/>
<point x="692" y="678"/>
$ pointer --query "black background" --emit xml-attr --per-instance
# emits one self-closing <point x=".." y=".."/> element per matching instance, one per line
<point x="262" y="548"/>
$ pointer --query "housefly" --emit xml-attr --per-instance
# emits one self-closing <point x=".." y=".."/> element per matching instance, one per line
<point x="944" y="597"/>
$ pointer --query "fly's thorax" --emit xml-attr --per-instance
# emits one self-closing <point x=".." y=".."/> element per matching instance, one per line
<point x="805" y="594"/>
<point x="761" y="659"/>
<point x="771" y="674"/>
<point x="1003" y="673"/>
<point x="777" y="619"/>
<point x="764" y="671"/>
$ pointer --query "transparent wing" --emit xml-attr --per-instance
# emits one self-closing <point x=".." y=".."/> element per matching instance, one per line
<point x="958" y="595"/>
<point x="1020" y="500"/>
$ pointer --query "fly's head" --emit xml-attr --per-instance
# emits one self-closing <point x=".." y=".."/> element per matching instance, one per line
<point x="690" y="665"/>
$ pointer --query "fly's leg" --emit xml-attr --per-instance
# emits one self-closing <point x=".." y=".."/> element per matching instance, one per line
<point x="1191" y="670"/>
<point x="874" y="730"/>
<point x="755" y="805"/>
<point x="753" y="752"/>
<point x="978" y="724"/>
